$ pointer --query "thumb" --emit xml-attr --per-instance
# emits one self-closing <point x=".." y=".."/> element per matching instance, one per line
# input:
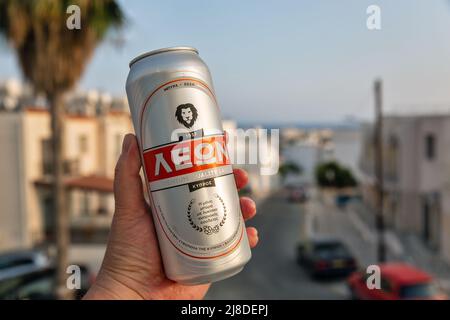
<point x="128" y="190"/>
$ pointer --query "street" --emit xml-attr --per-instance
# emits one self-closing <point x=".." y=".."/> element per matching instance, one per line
<point x="273" y="272"/>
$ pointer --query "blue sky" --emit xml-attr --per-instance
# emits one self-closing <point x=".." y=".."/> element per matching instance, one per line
<point x="291" y="61"/>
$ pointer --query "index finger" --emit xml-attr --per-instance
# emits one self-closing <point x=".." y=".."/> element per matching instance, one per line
<point x="241" y="178"/>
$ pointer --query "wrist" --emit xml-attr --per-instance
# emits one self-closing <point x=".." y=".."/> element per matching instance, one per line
<point x="108" y="288"/>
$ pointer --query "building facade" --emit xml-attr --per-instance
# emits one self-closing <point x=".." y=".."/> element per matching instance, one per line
<point x="309" y="148"/>
<point x="258" y="155"/>
<point x="92" y="144"/>
<point x="416" y="161"/>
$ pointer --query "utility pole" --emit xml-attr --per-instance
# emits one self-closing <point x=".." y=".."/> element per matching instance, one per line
<point x="381" y="246"/>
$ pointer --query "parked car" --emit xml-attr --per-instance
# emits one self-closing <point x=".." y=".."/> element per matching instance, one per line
<point x="39" y="285"/>
<point x="342" y="200"/>
<point x="297" y="194"/>
<point x="326" y="257"/>
<point x="29" y="274"/>
<point x="399" y="281"/>
<point x="14" y="264"/>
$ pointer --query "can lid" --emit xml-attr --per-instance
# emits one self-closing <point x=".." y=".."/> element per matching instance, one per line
<point x="153" y="52"/>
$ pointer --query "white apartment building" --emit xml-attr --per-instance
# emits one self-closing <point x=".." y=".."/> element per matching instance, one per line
<point x="309" y="148"/>
<point x="259" y="184"/>
<point x="15" y="94"/>
<point x="416" y="153"/>
<point x="92" y="144"/>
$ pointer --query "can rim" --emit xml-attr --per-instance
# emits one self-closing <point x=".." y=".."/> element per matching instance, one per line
<point x="162" y="50"/>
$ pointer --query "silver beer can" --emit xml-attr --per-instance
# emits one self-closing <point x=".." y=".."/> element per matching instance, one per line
<point x="189" y="177"/>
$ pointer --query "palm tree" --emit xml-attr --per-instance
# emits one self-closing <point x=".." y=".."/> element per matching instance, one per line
<point x="52" y="59"/>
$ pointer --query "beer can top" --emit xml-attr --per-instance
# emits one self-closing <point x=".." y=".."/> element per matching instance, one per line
<point x="162" y="50"/>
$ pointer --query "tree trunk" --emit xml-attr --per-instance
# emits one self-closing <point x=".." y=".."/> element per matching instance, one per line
<point x="58" y="189"/>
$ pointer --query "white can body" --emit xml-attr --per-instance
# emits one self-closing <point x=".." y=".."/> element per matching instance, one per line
<point x="193" y="195"/>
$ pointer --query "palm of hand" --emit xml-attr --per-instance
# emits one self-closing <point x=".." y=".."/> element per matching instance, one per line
<point x="132" y="266"/>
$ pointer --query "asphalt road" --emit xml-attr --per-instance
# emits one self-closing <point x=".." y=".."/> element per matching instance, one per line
<point x="273" y="272"/>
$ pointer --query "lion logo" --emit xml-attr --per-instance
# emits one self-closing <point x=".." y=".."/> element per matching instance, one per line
<point x="186" y="114"/>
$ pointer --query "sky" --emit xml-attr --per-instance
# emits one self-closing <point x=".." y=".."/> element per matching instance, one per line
<point x="290" y="61"/>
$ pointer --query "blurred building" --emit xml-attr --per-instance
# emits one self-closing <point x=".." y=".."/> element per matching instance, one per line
<point x="416" y="158"/>
<point x="92" y="144"/>
<point x="15" y="94"/>
<point x="292" y="135"/>
<point x="95" y="124"/>
<point x="306" y="152"/>
<point x="345" y="145"/>
<point x="259" y="184"/>
<point x="311" y="147"/>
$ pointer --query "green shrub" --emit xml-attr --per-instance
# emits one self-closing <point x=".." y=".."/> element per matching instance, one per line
<point x="332" y="174"/>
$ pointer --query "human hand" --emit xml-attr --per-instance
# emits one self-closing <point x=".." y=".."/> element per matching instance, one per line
<point x="132" y="267"/>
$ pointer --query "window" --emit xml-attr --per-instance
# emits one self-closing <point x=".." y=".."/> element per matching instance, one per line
<point x="330" y="250"/>
<point x="85" y="204"/>
<point x="392" y="157"/>
<point x="417" y="291"/>
<point x="118" y="145"/>
<point x="386" y="285"/>
<point x="46" y="149"/>
<point x="430" y="146"/>
<point x="83" y="143"/>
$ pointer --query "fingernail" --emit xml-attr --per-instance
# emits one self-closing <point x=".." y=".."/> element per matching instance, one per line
<point x="126" y="143"/>
<point x="253" y="205"/>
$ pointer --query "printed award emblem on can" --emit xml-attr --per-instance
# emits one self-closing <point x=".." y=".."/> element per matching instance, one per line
<point x="192" y="191"/>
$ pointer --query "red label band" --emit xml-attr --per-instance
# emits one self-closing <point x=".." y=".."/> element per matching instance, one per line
<point x="185" y="157"/>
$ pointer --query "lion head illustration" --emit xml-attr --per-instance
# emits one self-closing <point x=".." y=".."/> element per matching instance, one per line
<point x="186" y="114"/>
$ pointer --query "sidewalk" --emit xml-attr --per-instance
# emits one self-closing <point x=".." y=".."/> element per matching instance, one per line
<point x="402" y="246"/>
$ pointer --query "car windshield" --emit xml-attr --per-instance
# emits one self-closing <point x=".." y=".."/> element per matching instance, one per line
<point x="330" y="250"/>
<point x="421" y="290"/>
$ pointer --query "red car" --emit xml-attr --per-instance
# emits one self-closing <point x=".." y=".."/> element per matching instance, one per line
<point x="399" y="281"/>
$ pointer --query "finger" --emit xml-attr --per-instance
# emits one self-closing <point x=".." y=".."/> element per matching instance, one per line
<point x="252" y="235"/>
<point x="248" y="207"/>
<point x="241" y="178"/>
<point x="128" y="191"/>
